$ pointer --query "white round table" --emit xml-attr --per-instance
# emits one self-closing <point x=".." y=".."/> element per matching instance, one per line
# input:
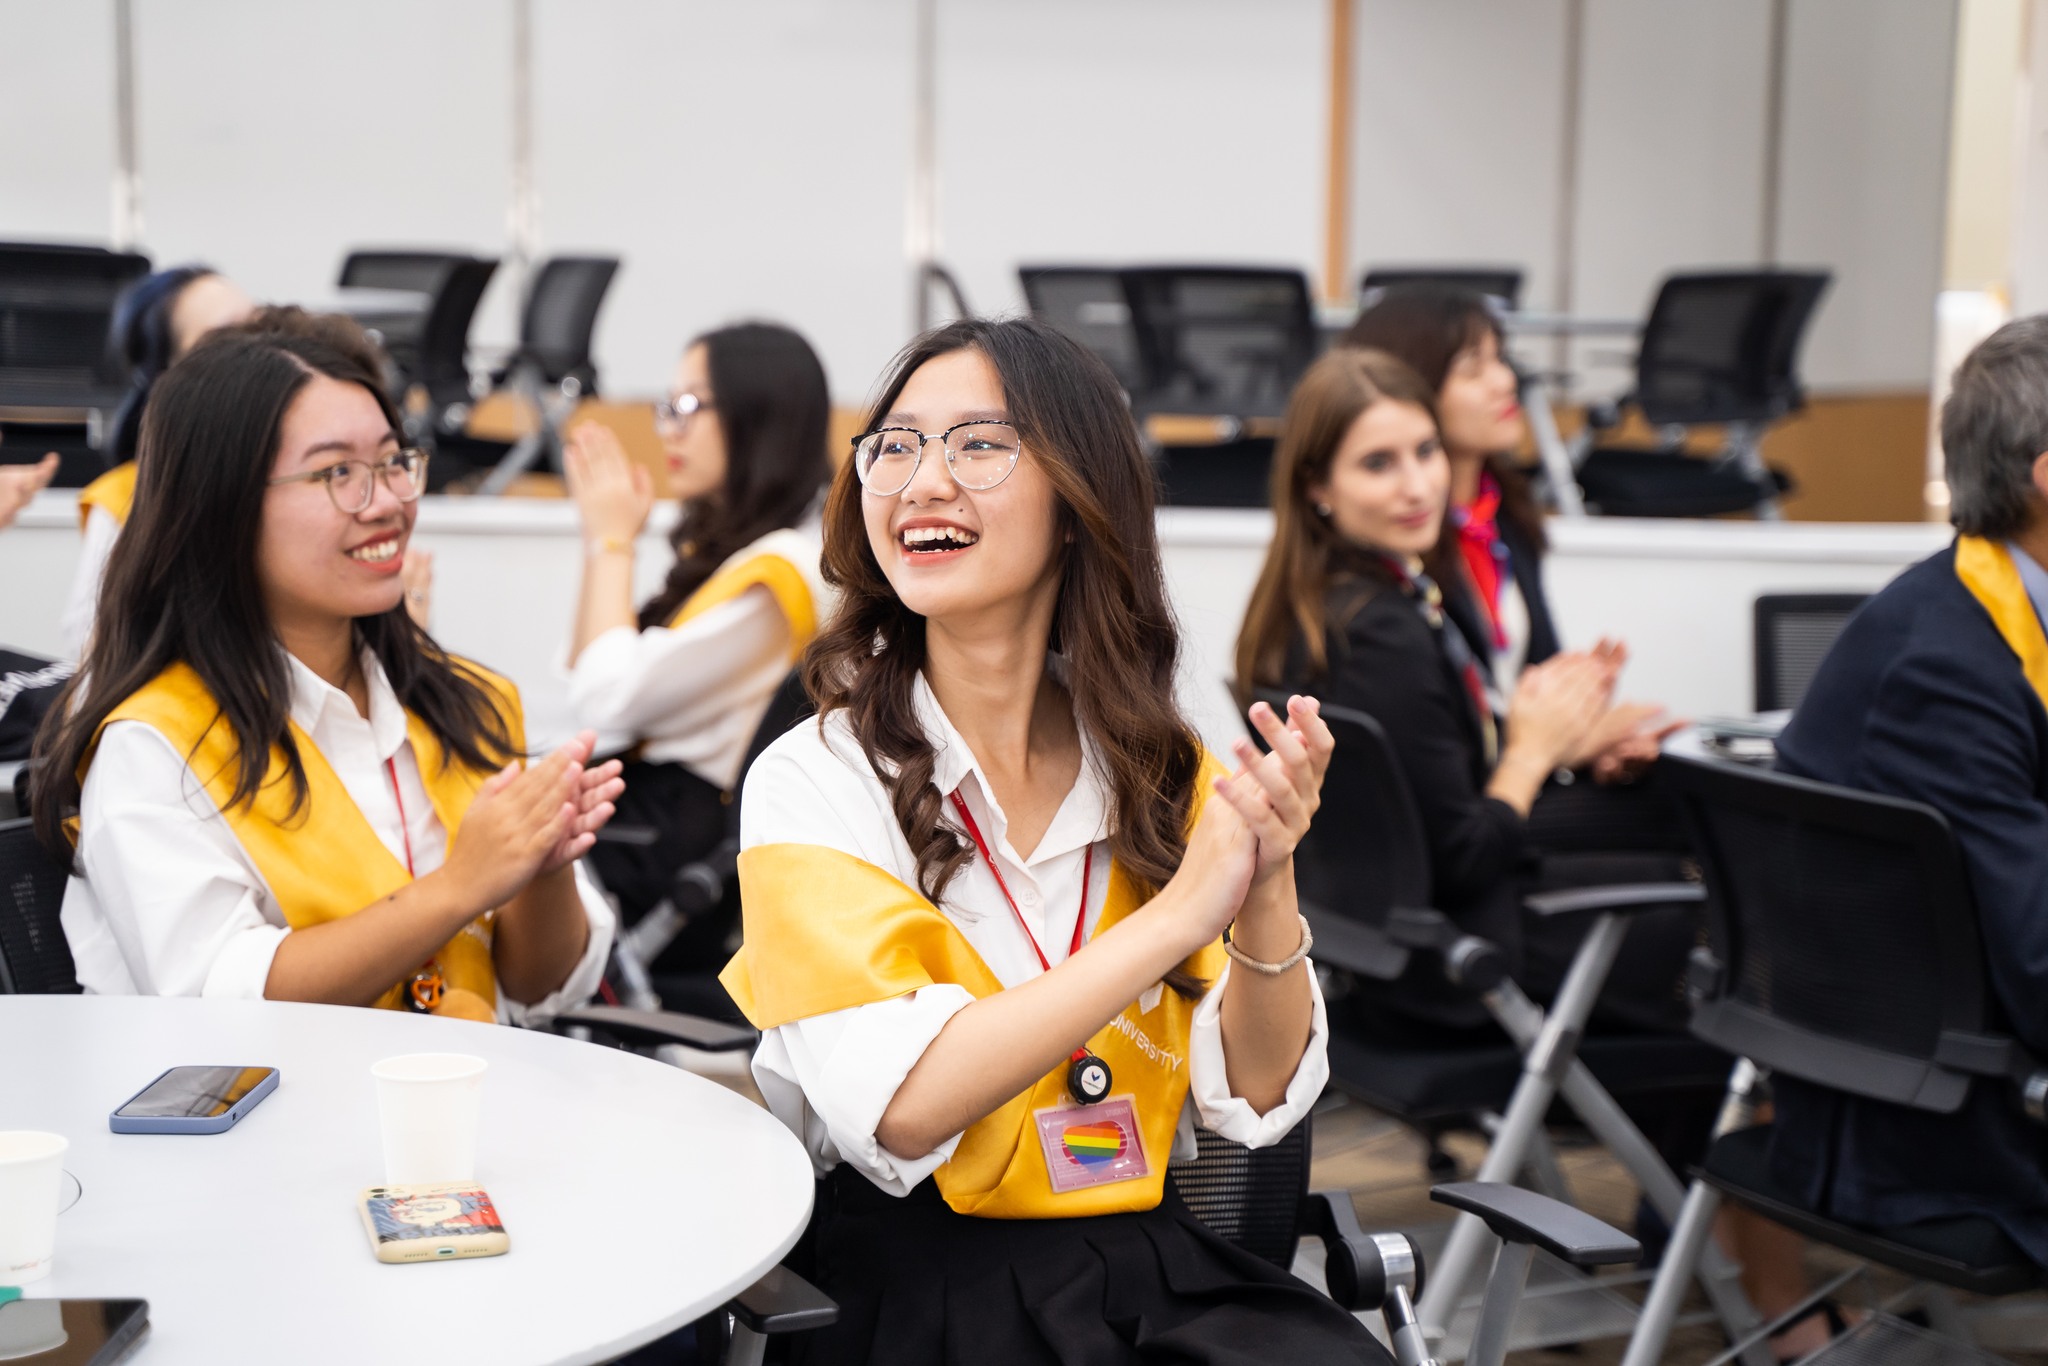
<point x="638" y="1197"/>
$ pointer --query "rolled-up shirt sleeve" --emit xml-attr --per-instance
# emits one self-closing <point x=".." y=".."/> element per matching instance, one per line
<point x="169" y="906"/>
<point x="1231" y="1116"/>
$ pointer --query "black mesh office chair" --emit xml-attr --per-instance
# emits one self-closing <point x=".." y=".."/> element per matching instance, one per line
<point x="35" y="960"/>
<point x="1844" y="951"/>
<point x="1502" y="284"/>
<point x="1089" y="304"/>
<point x="1229" y="340"/>
<point x="1793" y="633"/>
<point x="56" y="303"/>
<point x="553" y="369"/>
<point x="1720" y="349"/>
<point x="402" y="331"/>
<point x="1363" y="875"/>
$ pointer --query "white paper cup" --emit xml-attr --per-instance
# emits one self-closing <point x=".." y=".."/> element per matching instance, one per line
<point x="31" y="1174"/>
<point x="429" y="1105"/>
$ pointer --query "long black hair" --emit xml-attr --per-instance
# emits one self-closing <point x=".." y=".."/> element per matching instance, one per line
<point x="142" y="336"/>
<point x="181" y="585"/>
<point x="773" y="405"/>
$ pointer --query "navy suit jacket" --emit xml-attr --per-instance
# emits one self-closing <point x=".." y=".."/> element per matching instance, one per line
<point x="1922" y="698"/>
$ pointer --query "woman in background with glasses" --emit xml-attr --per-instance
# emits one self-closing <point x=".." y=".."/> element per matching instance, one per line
<point x="680" y="682"/>
<point x="1010" y="932"/>
<point x="283" y="787"/>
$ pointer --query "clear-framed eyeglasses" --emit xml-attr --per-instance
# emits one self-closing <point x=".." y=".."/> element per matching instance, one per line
<point x="351" y="484"/>
<point x="675" y="413"/>
<point x="979" y="455"/>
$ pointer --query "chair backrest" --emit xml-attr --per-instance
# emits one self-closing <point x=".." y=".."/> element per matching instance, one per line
<point x="1249" y="1196"/>
<point x="34" y="957"/>
<point x="421" y="272"/>
<point x="1500" y="283"/>
<point x="1088" y="303"/>
<point x="56" y="305"/>
<point x="1723" y="346"/>
<point x="1222" y="339"/>
<point x="442" y="364"/>
<point x="1793" y="634"/>
<point x="561" y="316"/>
<point x="1842" y="929"/>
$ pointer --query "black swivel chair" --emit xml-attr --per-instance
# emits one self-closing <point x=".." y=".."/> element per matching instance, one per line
<point x="553" y="369"/>
<point x="1502" y="284"/>
<point x="1843" y="950"/>
<point x="1793" y="633"/>
<point x="1089" y="304"/>
<point x="56" y="304"/>
<point x="35" y="960"/>
<point x="1363" y="875"/>
<point x="401" y="331"/>
<point x="1720" y="349"/>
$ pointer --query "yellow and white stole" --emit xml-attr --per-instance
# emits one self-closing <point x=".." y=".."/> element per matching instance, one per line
<point x="324" y="862"/>
<point x="826" y="931"/>
<point x="774" y="562"/>
<point x="113" y="491"/>
<point x="1987" y="570"/>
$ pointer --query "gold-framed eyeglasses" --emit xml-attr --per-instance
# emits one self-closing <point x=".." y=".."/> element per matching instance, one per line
<point x="675" y="413"/>
<point x="979" y="455"/>
<point x="351" y="484"/>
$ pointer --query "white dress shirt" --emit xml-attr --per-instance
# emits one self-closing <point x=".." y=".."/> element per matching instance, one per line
<point x="168" y="903"/>
<point x="830" y="1077"/>
<point x="75" y="626"/>
<point x="694" y="694"/>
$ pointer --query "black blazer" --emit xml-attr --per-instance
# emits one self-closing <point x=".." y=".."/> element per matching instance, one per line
<point x="1921" y="698"/>
<point x="1525" y="563"/>
<point x="1387" y="662"/>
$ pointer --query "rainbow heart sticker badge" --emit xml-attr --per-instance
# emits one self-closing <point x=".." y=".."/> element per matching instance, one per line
<point x="1091" y="1145"/>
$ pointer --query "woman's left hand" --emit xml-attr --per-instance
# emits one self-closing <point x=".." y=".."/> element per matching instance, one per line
<point x="594" y="792"/>
<point x="1277" y="792"/>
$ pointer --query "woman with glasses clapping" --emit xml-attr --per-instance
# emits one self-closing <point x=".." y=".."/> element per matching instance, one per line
<point x="679" y="683"/>
<point x="282" y="787"/>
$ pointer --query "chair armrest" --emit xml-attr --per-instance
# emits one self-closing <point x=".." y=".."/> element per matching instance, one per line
<point x="1620" y="896"/>
<point x="1470" y="962"/>
<point x="1523" y="1216"/>
<point x="659" y="1027"/>
<point x="638" y="836"/>
<point x="1342" y="942"/>
<point x="1360" y="1269"/>
<point x="783" y="1302"/>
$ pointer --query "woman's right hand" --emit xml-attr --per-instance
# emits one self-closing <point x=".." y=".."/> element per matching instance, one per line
<point x="1556" y="706"/>
<point x="613" y="495"/>
<point x="514" y="823"/>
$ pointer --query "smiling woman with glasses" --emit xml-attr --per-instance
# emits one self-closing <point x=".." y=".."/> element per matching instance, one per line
<point x="680" y="682"/>
<point x="283" y="787"/>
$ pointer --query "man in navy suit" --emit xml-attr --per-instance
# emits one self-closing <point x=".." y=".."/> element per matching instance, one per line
<point x="1933" y="693"/>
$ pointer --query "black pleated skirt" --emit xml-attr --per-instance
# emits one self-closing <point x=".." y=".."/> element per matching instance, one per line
<point x="917" y="1283"/>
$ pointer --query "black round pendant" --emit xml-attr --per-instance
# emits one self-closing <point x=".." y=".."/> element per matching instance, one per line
<point x="1088" y="1079"/>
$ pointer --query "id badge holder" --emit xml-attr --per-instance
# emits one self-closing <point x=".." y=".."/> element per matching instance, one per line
<point x="1092" y="1145"/>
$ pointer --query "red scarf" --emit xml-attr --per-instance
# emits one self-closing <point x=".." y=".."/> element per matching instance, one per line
<point x="1486" y="558"/>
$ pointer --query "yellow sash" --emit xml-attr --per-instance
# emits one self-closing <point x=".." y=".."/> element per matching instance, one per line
<point x="114" y="491"/>
<point x="1987" y="570"/>
<point x="826" y="931"/>
<point x="324" y="862"/>
<point x="771" y="571"/>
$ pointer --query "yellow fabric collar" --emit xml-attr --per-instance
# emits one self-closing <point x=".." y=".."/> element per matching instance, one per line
<point x="114" y="491"/>
<point x="1987" y="570"/>
<point x="776" y="573"/>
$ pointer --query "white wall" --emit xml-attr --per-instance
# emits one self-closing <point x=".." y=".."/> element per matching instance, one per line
<point x="57" y="136"/>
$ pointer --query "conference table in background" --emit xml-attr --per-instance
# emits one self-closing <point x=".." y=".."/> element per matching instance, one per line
<point x="638" y="1197"/>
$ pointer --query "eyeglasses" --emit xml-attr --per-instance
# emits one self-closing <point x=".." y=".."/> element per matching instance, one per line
<point x="675" y="413"/>
<point x="979" y="455"/>
<point x="351" y="484"/>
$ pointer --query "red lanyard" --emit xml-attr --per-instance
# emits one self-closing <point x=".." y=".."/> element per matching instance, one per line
<point x="1087" y="869"/>
<point x="404" y="827"/>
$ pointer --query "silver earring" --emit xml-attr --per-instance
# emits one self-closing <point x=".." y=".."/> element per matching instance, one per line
<point x="1322" y="509"/>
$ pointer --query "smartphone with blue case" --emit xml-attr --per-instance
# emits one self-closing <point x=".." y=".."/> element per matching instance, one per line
<point x="194" y="1100"/>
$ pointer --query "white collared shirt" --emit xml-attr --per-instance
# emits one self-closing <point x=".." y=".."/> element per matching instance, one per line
<point x="75" y="626"/>
<point x="694" y="694"/>
<point x="830" y="1077"/>
<point x="168" y="903"/>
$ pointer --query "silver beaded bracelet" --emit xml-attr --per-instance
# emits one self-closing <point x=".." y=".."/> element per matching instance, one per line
<point x="1308" y="941"/>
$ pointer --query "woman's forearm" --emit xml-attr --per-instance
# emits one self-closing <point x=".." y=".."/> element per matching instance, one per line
<point x="539" y="936"/>
<point x="1517" y="779"/>
<point x="998" y="1047"/>
<point x="1266" y="1018"/>
<point x="354" y="960"/>
<point x="606" y="598"/>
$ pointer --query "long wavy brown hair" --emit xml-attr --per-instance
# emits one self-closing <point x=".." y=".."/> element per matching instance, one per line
<point x="1308" y="554"/>
<point x="1112" y="624"/>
